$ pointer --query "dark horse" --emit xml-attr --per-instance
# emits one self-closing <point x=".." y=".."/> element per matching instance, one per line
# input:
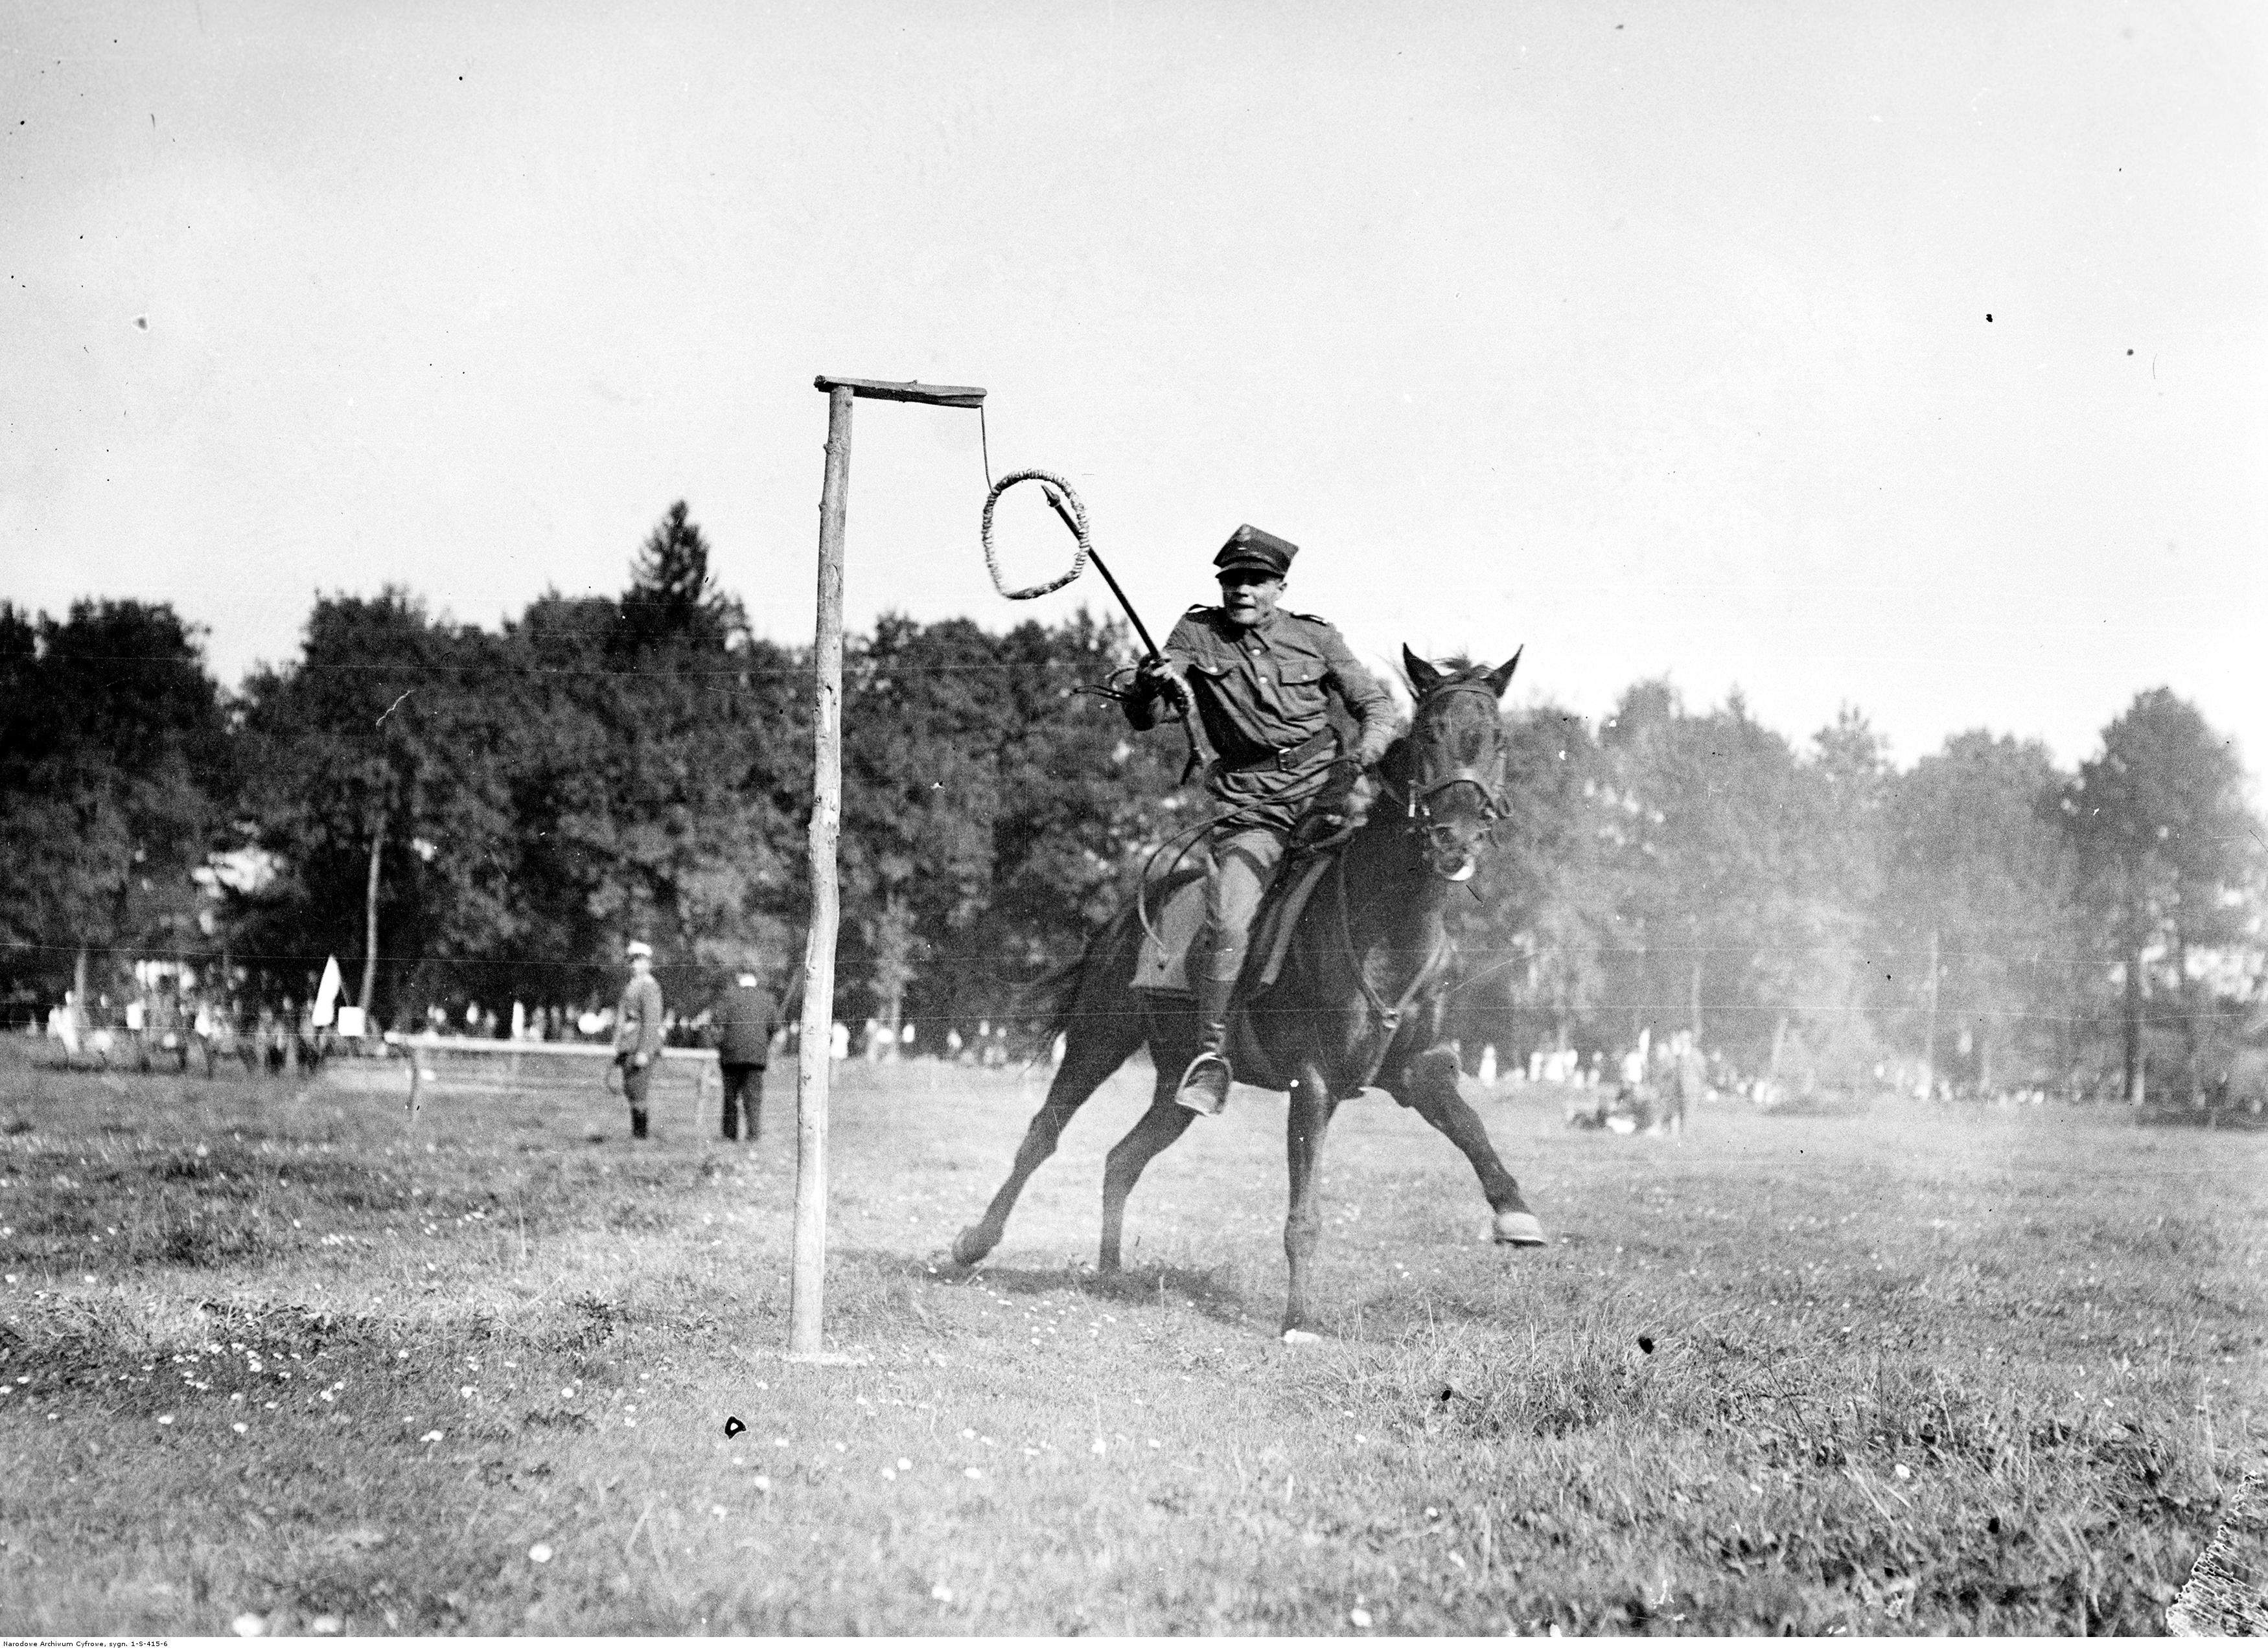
<point x="1357" y="1001"/>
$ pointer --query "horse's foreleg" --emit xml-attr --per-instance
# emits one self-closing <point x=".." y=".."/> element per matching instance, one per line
<point x="1089" y="1058"/>
<point x="1308" y="1118"/>
<point x="1428" y="1086"/>
<point x="1158" y="1128"/>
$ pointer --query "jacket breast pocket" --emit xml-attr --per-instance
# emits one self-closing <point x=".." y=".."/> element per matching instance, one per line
<point x="1303" y="685"/>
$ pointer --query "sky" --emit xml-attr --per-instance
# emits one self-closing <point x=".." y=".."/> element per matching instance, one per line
<point x="1908" y="357"/>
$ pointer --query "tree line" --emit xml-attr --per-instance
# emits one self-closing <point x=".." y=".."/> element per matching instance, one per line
<point x="470" y="816"/>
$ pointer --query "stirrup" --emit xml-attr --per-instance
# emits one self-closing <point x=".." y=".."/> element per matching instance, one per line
<point x="1204" y="1085"/>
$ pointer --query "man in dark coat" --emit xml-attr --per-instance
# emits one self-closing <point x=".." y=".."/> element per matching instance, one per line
<point x="1259" y="682"/>
<point x="746" y="1021"/>
<point x="638" y="1032"/>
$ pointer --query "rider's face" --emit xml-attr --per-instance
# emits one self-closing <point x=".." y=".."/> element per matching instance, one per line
<point x="1247" y="596"/>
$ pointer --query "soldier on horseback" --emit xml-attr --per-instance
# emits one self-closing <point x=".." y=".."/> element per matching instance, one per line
<point x="1259" y="682"/>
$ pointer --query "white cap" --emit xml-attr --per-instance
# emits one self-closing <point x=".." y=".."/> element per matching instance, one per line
<point x="637" y="948"/>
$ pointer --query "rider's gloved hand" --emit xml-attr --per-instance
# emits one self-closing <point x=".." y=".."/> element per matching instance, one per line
<point x="1329" y="816"/>
<point x="1158" y="678"/>
<point x="1337" y="797"/>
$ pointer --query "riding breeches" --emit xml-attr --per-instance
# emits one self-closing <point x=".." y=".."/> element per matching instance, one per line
<point x="1243" y="861"/>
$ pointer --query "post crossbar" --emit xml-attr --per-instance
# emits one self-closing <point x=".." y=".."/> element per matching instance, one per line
<point x="912" y="390"/>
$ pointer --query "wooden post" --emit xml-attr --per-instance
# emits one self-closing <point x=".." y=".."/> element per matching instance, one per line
<point x="809" y="1262"/>
<point x="812" y="1073"/>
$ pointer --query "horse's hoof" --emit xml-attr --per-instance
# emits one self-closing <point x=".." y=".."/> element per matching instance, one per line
<point x="971" y="1246"/>
<point x="1519" y="1227"/>
<point x="1301" y="1338"/>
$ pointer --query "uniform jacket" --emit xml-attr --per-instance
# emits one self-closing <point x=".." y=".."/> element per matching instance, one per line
<point x="746" y="1021"/>
<point x="638" y="1022"/>
<point x="1264" y="693"/>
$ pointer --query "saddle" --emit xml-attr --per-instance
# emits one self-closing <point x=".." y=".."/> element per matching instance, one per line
<point x="1176" y="913"/>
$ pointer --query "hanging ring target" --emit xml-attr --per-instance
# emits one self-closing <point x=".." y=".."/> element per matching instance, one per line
<point x="1077" y="516"/>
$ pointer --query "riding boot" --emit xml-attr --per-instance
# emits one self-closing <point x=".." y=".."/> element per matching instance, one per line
<point x="638" y="1123"/>
<point x="1205" y="1084"/>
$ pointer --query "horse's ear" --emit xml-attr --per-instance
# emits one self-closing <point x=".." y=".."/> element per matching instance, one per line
<point x="1422" y="675"/>
<point x="1500" y="678"/>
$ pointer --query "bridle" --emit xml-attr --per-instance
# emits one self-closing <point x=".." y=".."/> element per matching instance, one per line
<point x="1417" y="799"/>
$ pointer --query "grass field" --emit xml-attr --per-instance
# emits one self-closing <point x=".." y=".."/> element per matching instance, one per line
<point x="289" y="1353"/>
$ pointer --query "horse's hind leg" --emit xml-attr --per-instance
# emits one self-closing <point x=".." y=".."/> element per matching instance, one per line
<point x="1090" y="1053"/>
<point x="1428" y="1086"/>
<point x="1158" y="1128"/>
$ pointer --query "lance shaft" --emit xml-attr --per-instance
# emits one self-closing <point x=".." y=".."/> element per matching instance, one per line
<point x="1101" y="567"/>
<point x="1188" y="720"/>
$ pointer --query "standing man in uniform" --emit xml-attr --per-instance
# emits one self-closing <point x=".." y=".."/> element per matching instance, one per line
<point x="745" y="1023"/>
<point x="638" y="1032"/>
<point x="1260" y="682"/>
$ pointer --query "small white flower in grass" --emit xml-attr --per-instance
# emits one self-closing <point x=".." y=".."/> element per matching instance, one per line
<point x="1097" y="1448"/>
<point x="326" y="1623"/>
<point x="400" y="1355"/>
<point x="239" y="1427"/>
<point x="431" y="1438"/>
<point x="942" y="1594"/>
<point x="763" y="1485"/>
<point x="904" y="1465"/>
<point x="889" y="1474"/>
<point x="1902" y="1470"/>
<point x="970" y="1472"/>
<point x="164" y="1420"/>
<point x="540" y="1553"/>
<point x="464" y="1392"/>
<point x="969" y="1432"/>
<point x="248" y="1626"/>
<point x="1360" y="1617"/>
<point x="717" y="1510"/>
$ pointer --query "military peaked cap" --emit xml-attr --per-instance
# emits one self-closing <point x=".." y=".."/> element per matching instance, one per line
<point x="1250" y="547"/>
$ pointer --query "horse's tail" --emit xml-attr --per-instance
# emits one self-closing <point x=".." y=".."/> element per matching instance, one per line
<point x="1055" y="998"/>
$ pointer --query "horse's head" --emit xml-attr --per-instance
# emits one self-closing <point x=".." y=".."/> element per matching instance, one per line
<point x="1448" y="772"/>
